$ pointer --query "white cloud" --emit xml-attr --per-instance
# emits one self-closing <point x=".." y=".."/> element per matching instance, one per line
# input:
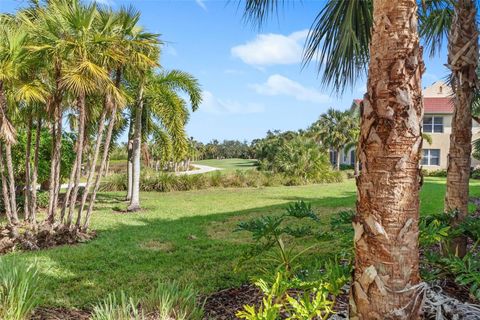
<point x="270" y="49"/>
<point x="278" y="85"/>
<point x="202" y="5"/>
<point x="212" y="104"/>
<point x="105" y="2"/>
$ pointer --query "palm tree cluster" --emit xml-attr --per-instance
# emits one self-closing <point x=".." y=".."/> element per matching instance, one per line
<point x="66" y="65"/>
<point x="349" y="39"/>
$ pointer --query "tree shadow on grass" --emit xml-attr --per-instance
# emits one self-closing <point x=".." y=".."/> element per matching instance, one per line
<point x="140" y="250"/>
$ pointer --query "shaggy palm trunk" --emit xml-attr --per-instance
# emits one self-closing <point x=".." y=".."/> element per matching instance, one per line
<point x="462" y="61"/>
<point x="136" y="150"/>
<point x="386" y="275"/>
<point x="6" y="197"/>
<point x="56" y="106"/>
<point x="338" y="160"/>
<point x="11" y="179"/>
<point x="33" y="204"/>
<point x="96" y="152"/>
<point x="105" y="155"/>
<point x="130" y="160"/>
<point x="28" y="185"/>
<point x="80" y="145"/>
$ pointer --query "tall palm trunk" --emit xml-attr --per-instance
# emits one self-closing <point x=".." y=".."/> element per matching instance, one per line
<point x="80" y="145"/>
<point x="6" y="197"/>
<point x="28" y="185"/>
<point x="136" y="151"/>
<point x="33" y="204"/>
<point x="386" y="275"/>
<point x="130" y="159"/>
<point x="56" y="107"/>
<point x="338" y="159"/>
<point x="105" y="155"/>
<point x="11" y="179"/>
<point x="462" y="61"/>
<point x="96" y="152"/>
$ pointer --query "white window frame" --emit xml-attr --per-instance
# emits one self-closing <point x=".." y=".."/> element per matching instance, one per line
<point x="427" y="155"/>
<point x="433" y="124"/>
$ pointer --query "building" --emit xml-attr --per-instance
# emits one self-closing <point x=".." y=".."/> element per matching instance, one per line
<point x="437" y="122"/>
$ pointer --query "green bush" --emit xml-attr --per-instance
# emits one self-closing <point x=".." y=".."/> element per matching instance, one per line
<point x="475" y="174"/>
<point x="117" y="307"/>
<point x="172" y="301"/>
<point x="346" y="166"/>
<point x="165" y="302"/>
<point x="42" y="200"/>
<point x="434" y="173"/>
<point x="18" y="289"/>
<point x="166" y="182"/>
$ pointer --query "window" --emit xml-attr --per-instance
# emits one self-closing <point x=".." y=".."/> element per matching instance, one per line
<point x="345" y="156"/>
<point x="431" y="157"/>
<point x="352" y="157"/>
<point x="433" y="124"/>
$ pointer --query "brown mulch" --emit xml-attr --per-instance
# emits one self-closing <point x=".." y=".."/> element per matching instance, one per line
<point x="224" y="304"/>
<point x="60" y="314"/>
<point x="30" y="237"/>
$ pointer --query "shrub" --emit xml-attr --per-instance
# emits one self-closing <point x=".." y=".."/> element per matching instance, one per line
<point x="18" y="289"/>
<point x="116" y="307"/>
<point x="172" y="301"/>
<point x="166" y="182"/>
<point x="475" y="174"/>
<point x="434" y="173"/>
<point x="346" y="166"/>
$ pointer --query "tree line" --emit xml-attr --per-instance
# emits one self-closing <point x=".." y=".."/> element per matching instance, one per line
<point x="73" y="78"/>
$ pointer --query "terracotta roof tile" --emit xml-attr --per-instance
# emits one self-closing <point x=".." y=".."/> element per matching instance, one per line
<point x="438" y="105"/>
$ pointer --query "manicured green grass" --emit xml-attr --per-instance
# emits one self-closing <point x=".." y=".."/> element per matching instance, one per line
<point x="230" y="164"/>
<point x="185" y="236"/>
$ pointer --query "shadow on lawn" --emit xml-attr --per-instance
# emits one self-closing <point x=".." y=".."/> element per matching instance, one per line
<point x="135" y="254"/>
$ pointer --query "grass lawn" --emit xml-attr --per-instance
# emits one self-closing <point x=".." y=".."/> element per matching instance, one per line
<point x="182" y="235"/>
<point x="229" y="164"/>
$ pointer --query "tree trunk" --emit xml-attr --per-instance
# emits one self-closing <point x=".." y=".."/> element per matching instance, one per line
<point x="33" y="204"/>
<point x="130" y="159"/>
<point x="106" y="149"/>
<point x="80" y="145"/>
<point x="56" y="103"/>
<point x="107" y="166"/>
<point x="338" y="160"/>
<point x="462" y="61"/>
<point x="6" y="197"/>
<point x="96" y="152"/>
<point x="11" y="180"/>
<point x="136" y="151"/>
<point x="28" y="184"/>
<point x="386" y="275"/>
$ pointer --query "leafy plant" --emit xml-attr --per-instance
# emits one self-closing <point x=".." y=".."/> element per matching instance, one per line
<point x="307" y="307"/>
<point x="269" y="232"/>
<point x="18" y="289"/>
<point x="172" y="301"/>
<point x="117" y="307"/>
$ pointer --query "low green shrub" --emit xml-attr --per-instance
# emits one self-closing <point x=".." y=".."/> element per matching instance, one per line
<point x="166" y="301"/>
<point x="475" y="173"/>
<point x="166" y="182"/>
<point x="346" y="166"/>
<point x="117" y="307"/>
<point x="18" y="289"/>
<point x="172" y="301"/>
<point x="434" y="173"/>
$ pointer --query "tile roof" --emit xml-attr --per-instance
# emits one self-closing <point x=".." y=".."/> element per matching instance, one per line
<point x="438" y="105"/>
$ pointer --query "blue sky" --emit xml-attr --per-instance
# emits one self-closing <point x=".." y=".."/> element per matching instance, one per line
<point x="252" y="78"/>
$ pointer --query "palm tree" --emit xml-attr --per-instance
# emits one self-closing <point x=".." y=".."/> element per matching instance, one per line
<point x="336" y="130"/>
<point x="463" y="63"/>
<point x="161" y="99"/>
<point x="386" y="224"/>
<point x="339" y="36"/>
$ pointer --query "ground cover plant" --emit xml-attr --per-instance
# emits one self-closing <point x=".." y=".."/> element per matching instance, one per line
<point x="186" y="236"/>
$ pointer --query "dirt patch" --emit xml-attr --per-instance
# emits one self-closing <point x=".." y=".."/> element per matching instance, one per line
<point x="225" y="304"/>
<point x="158" y="245"/>
<point x="30" y="237"/>
<point x="60" y="314"/>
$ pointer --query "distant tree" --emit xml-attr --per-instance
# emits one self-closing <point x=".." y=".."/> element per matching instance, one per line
<point x="336" y="130"/>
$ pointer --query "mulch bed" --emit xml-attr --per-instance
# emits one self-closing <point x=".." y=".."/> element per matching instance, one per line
<point x="30" y="237"/>
<point x="224" y="304"/>
<point x="60" y="314"/>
